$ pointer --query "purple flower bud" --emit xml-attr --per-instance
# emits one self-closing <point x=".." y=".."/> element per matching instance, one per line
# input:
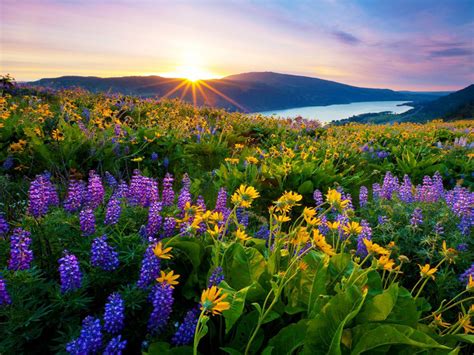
<point x="318" y="197"/>
<point x="406" y="190"/>
<point x="154" y="219"/>
<point x="150" y="268"/>
<point x="168" y="193"/>
<point x="90" y="339"/>
<point x="366" y="233"/>
<point x="42" y="194"/>
<point x="221" y="202"/>
<point x="87" y="222"/>
<point x="161" y="297"/>
<point x="185" y="333"/>
<point x="216" y="277"/>
<point x="69" y="272"/>
<point x="4" y="227"/>
<point x="115" y="346"/>
<point x="4" y="295"/>
<point x="76" y="194"/>
<point x="169" y="226"/>
<point x="103" y="255"/>
<point x="363" y="196"/>
<point x="112" y="214"/>
<point x="114" y="314"/>
<point x="154" y="156"/>
<point x="95" y="190"/>
<point x="21" y="254"/>
<point x="416" y="217"/>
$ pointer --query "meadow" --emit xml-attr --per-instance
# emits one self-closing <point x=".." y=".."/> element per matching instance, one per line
<point x="133" y="225"/>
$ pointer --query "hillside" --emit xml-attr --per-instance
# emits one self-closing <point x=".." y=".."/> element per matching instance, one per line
<point x="249" y="92"/>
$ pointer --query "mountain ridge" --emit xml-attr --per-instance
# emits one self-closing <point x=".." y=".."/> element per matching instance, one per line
<point x="250" y="92"/>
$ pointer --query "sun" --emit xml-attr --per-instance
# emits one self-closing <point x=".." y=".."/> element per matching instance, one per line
<point x="191" y="73"/>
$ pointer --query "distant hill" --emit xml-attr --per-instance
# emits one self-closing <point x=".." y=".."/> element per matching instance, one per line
<point x="250" y="92"/>
<point x="454" y="106"/>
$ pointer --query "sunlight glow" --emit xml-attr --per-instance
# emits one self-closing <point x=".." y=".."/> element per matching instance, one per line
<point x="191" y="66"/>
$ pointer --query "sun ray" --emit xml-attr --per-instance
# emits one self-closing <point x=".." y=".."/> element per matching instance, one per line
<point x="193" y="88"/>
<point x="172" y="91"/>
<point x="225" y="97"/>
<point x="183" y="94"/>
<point x="203" y="94"/>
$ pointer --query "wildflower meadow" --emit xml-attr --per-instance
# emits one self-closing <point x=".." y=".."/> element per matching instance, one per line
<point x="150" y="226"/>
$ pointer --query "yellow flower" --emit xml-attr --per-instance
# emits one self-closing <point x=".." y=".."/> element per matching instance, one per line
<point x="333" y="225"/>
<point x="244" y="196"/>
<point x="282" y="218"/>
<point x="309" y="216"/>
<point x="438" y="321"/>
<point x="427" y="271"/>
<point x="251" y="160"/>
<point x="334" y="198"/>
<point x="168" y="278"/>
<point x="212" y="300"/>
<point x="214" y="232"/>
<point x="303" y="266"/>
<point x="287" y="201"/>
<point x="238" y="146"/>
<point x="18" y="146"/>
<point x="240" y="234"/>
<point x="385" y="263"/>
<point x="470" y="283"/>
<point x="302" y="236"/>
<point x="449" y="253"/>
<point x="320" y="241"/>
<point x="137" y="159"/>
<point x="374" y="248"/>
<point x="232" y="160"/>
<point x="352" y="228"/>
<point x="57" y="135"/>
<point x="162" y="253"/>
<point x="465" y="322"/>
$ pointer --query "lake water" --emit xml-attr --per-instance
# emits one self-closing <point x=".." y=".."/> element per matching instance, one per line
<point x="339" y="112"/>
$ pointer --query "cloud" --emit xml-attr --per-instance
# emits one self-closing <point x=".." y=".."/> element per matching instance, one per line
<point x="346" y="37"/>
<point x="451" y="52"/>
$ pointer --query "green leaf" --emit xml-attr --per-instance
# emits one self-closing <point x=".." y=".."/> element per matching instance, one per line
<point x="325" y="330"/>
<point x="289" y="339"/>
<point x="306" y="187"/>
<point x="379" y="307"/>
<point x="237" y="303"/>
<point x="372" y="336"/>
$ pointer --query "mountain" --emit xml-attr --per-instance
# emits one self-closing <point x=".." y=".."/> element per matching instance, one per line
<point x="250" y="92"/>
<point x="454" y="106"/>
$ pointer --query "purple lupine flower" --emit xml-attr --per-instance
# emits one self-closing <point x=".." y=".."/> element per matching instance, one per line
<point x="150" y="268"/>
<point x="185" y="333"/>
<point x="184" y="194"/>
<point x="69" y="272"/>
<point x="406" y="190"/>
<point x="242" y="216"/>
<point x="376" y="191"/>
<point x="438" y="229"/>
<point x="323" y="227"/>
<point x="110" y="180"/>
<point x="154" y="156"/>
<point x="143" y="191"/>
<point x="168" y="192"/>
<point x="381" y="220"/>
<point x="348" y="197"/>
<point x="115" y="346"/>
<point x="169" y="226"/>
<point x="21" y="254"/>
<point x="154" y="219"/>
<point x="142" y="233"/>
<point x="75" y="196"/>
<point x="114" y="314"/>
<point x="161" y="297"/>
<point x="121" y="191"/>
<point x="262" y="233"/>
<point x="90" y="339"/>
<point x="87" y="222"/>
<point x="8" y="163"/>
<point x="42" y="194"/>
<point x="221" y="202"/>
<point x="201" y="203"/>
<point x="465" y="225"/>
<point x="462" y="247"/>
<point x="366" y="233"/>
<point x="318" y="197"/>
<point x="112" y="214"/>
<point x="4" y="227"/>
<point x="416" y="217"/>
<point x="216" y="277"/>
<point x="464" y="277"/>
<point x="95" y="190"/>
<point x="166" y="163"/>
<point x="363" y="196"/>
<point x="103" y="255"/>
<point x="390" y="186"/>
<point x="4" y="295"/>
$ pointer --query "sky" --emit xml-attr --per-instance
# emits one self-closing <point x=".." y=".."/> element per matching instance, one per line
<point x="423" y="45"/>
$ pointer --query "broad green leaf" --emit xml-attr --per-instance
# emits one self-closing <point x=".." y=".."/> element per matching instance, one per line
<point x="325" y="330"/>
<point x="379" y="307"/>
<point x="237" y="303"/>
<point x="306" y="187"/>
<point x="372" y="336"/>
<point x="289" y="339"/>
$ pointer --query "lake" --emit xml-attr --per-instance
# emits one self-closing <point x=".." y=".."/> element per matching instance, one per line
<point x="339" y="112"/>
